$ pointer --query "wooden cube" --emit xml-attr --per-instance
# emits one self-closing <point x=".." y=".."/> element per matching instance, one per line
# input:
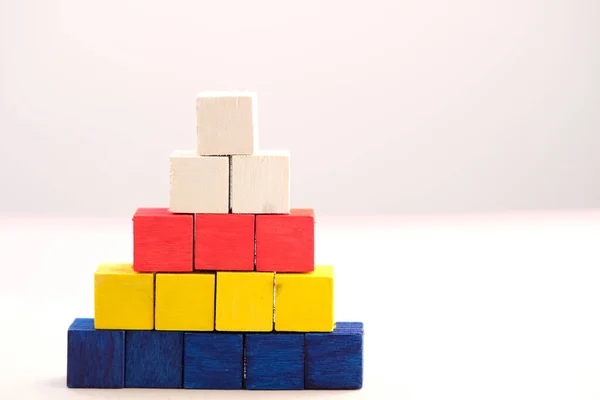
<point x="335" y="360"/>
<point x="304" y="302"/>
<point x="198" y="184"/>
<point x="162" y="241"/>
<point x="213" y="361"/>
<point x="286" y="243"/>
<point x="224" y="242"/>
<point x="226" y="123"/>
<point x="260" y="183"/>
<point x="95" y="359"/>
<point x="123" y="298"/>
<point x="185" y="302"/>
<point x="153" y="359"/>
<point x="274" y="361"/>
<point x="244" y="301"/>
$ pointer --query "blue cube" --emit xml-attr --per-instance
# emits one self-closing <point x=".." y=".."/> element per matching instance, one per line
<point x="335" y="360"/>
<point x="95" y="358"/>
<point x="213" y="360"/>
<point x="274" y="361"/>
<point x="153" y="359"/>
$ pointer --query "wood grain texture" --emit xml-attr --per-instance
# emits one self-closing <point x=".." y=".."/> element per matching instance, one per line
<point x="304" y="302"/>
<point x="260" y="183"/>
<point x="335" y="360"/>
<point x="123" y="298"/>
<point x="153" y="359"/>
<point x="224" y="242"/>
<point x="198" y="184"/>
<point x="244" y="301"/>
<point x="162" y="241"/>
<point x="227" y="123"/>
<point x="274" y="361"/>
<point x="185" y="302"/>
<point x="286" y="243"/>
<point x="95" y="359"/>
<point x="213" y="361"/>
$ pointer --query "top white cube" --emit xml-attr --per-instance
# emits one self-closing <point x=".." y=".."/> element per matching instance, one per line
<point x="226" y="123"/>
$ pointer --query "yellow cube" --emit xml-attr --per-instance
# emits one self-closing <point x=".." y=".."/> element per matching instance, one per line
<point x="304" y="302"/>
<point x="185" y="302"/>
<point x="123" y="298"/>
<point x="244" y="301"/>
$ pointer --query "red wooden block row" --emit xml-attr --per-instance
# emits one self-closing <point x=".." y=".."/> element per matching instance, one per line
<point x="164" y="241"/>
<point x="224" y="242"/>
<point x="286" y="242"/>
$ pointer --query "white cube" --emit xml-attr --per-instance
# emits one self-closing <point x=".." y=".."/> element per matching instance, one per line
<point x="198" y="184"/>
<point x="226" y="123"/>
<point x="260" y="183"/>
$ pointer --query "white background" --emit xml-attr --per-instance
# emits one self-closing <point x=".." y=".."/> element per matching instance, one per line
<point x="387" y="106"/>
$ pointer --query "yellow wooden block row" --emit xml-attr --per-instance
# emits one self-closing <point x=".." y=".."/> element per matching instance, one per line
<point x="123" y="299"/>
<point x="244" y="301"/>
<point x="185" y="302"/>
<point x="304" y="302"/>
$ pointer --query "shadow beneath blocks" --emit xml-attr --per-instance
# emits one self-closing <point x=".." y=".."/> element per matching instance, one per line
<point x="60" y="383"/>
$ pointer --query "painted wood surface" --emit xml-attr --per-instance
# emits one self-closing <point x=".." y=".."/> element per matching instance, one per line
<point x="274" y="361"/>
<point x="213" y="361"/>
<point x="224" y="242"/>
<point x="162" y="241"/>
<point x="244" y="301"/>
<point x="198" y="184"/>
<point x="260" y="183"/>
<point x="335" y="360"/>
<point x="153" y="359"/>
<point x="95" y="359"/>
<point x="286" y="243"/>
<point x="123" y="298"/>
<point x="185" y="302"/>
<point x="226" y="123"/>
<point x="304" y="302"/>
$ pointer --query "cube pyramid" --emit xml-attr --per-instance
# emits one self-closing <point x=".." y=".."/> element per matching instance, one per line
<point x="223" y="291"/>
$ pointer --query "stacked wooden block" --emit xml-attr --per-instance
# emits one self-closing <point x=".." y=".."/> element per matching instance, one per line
<point x="223" y="291"/>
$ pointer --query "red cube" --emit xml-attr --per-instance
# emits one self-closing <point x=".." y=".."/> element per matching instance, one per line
<point x="162" y="241"/>
<point x="286" y="242"/>
<point x="224" y="242"/>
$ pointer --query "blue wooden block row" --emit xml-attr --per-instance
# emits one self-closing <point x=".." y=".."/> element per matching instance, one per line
<point x="255" y="361"/>
<point x="213" y="361"/>
<point x="335" y="360"/>
<point x="95" y="359"/>
<point x="153" y="359"/>
<point x="275" y="361"/>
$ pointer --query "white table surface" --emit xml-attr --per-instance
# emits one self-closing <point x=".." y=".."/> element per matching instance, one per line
<point x="482" y="307"/>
